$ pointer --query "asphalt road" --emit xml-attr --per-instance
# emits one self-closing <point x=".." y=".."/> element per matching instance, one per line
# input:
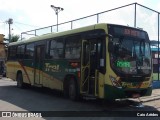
<point x="44" y="101"/>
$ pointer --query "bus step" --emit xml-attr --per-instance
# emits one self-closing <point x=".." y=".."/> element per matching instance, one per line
<point x="92" y="85"/>
<point x="89" y="97"/>
<point x="38" y="85"/>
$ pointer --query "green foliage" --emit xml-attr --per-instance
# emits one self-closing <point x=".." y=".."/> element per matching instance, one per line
<point x="14" y="38"/>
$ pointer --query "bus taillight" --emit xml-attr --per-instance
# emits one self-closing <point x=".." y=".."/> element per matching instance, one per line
<point x="136" y="95"/>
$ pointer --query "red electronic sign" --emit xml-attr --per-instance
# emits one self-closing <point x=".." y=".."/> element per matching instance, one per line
<point x="127" y="31"/>
<point x="131" y="32"/>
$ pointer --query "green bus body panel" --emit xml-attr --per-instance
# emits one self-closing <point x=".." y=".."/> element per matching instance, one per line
<point x="55" y="68"/>
<point x="59" y="68"/>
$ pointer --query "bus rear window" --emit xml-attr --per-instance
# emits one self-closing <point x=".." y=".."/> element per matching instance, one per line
<point x="12" y="52"/>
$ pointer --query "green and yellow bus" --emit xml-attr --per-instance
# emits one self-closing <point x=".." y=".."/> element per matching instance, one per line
<point x="103" y="61"/>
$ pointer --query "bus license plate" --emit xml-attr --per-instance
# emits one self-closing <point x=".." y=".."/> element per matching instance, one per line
<point x="135" y="95"/>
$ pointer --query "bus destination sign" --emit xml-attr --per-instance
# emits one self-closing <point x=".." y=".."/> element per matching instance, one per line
<point x="131" y="32"/>
<point x="123" y="31"/>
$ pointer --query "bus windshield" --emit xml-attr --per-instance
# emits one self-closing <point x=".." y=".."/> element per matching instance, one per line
<point x="130" y="50"/>
<point x="131" y="55"/>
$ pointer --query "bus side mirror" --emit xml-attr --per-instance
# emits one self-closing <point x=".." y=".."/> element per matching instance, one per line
<point x="110" y="47"/>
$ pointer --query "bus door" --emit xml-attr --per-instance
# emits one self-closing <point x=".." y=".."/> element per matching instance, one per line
<point x="85" y="66"/>
<point x="97" y="64"/>
<point x="92" y="65"/>
<point x="39" y="63"/>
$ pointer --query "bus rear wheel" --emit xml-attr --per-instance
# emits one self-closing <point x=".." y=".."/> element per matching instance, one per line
<point x="19" y="79"/>
<point x="72" y="90"/>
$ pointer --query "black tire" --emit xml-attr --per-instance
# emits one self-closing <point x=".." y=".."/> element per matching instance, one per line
<point x="19" y="79"/>
<point x="65" y="89"/>
<point x="72" y="90"/>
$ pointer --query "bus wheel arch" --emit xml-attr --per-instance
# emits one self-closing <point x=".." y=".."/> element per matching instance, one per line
<point x="70" y="87"/>
<point x="19" y="79"/>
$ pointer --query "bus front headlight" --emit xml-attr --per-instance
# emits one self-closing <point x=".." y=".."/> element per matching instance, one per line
<point x="115" y="82"/>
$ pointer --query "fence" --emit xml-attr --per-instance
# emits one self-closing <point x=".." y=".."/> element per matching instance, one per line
<point x="134" y="15"/>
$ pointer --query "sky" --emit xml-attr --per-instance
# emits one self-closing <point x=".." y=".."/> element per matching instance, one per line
<point x="33" y="14"/>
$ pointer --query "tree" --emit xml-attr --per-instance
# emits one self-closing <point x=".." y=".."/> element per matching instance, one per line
<point x="14" y="38"/>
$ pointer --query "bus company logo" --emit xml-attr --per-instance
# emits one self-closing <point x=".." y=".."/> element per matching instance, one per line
<point x="51" y="68"/>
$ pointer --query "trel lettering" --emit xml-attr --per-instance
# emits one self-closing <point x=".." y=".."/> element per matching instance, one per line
<point x="52" y="68"/>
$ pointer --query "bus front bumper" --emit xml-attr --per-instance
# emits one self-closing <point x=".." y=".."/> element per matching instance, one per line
<point x="112" y="93"/>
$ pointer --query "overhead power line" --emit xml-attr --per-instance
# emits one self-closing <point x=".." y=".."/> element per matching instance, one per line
<point x="18" y="27"/>
<point x="26" y="24"/>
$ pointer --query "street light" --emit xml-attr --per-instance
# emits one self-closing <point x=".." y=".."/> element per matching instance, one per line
<point x="10" y="21"/>
<point x="57" y="10"/>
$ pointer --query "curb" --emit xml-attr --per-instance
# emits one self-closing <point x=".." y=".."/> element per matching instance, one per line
<point x="148" y="99"/>
<point x="155" y="96"/>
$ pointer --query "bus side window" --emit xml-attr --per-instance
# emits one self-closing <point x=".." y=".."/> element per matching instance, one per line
<point x="101" y="55"/>
<point x="29" y="51"/>
<point x="47" y="55"/>
<point x="20" y="51"/>
<point x="72" y="48"/>
<point x="56" y="49"/>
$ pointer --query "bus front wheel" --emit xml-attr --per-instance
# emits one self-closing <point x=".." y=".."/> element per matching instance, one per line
<point x="20" y="83"/>
<point x="72" y="90"/>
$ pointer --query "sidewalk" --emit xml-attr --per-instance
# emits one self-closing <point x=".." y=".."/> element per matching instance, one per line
<point x="155" y="96"/>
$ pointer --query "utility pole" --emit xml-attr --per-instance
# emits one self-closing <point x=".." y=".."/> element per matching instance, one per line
<point x="10" y="21"/>
<point x="57" y="10"/>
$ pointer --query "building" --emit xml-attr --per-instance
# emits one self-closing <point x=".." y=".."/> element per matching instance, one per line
<point x="156" y="64"/>
<point x="3" y="55"/>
